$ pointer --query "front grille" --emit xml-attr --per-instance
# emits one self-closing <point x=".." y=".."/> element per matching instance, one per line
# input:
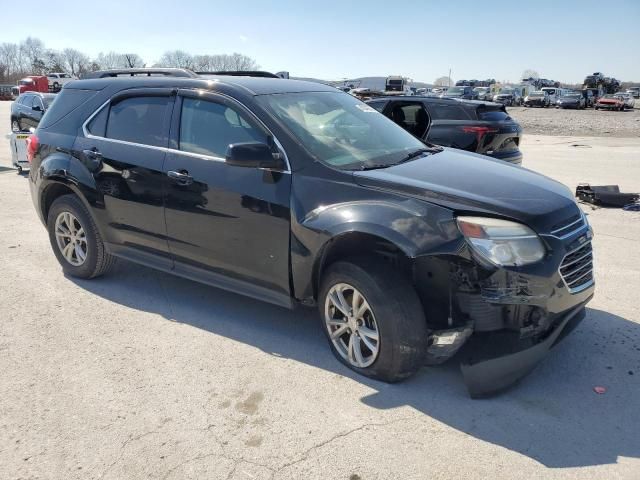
<point x="568" y="227"/>
<point x="576" y="268"/>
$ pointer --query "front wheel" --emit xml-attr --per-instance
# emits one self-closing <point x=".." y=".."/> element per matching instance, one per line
<point x="75" y="239"/>
<point x="373" y="319"/>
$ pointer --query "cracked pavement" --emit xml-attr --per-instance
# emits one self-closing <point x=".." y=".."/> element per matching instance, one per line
<point x="143" y="375"/>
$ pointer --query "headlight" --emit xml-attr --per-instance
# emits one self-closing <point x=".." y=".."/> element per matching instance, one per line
<point x="502" y="242"/>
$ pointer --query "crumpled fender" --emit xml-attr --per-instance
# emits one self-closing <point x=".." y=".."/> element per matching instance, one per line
<point x="414" y="226"/>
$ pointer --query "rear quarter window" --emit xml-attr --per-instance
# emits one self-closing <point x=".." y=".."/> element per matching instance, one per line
<point x="378" y="105"/>
<point x="447" y="112"/>
<point x="64" y="103"/>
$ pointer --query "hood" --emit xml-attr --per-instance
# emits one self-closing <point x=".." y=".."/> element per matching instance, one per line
<point x="609" y="100"/>
<point x="569" y="100"/>
<point x="467" y="182"/>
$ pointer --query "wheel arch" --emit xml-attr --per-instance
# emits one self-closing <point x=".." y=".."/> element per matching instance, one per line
<point x="358" y="243"/>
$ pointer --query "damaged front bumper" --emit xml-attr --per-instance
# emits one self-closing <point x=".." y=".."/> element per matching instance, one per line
<point x="503" y="321"/>
<point x="487" y="374"/>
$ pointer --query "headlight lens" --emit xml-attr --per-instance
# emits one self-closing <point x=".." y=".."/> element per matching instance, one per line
<point x="502" y="242"/>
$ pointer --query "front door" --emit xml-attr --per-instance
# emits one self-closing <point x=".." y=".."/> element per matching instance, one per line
<point x="124" y="146"/>
<point x="226" y="225"/>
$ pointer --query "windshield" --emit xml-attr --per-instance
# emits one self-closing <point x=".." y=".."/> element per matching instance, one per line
<point x="574" y="95"/>
<point x="25" y="81"/>
<point x="610" y="96"/>
<point x="340" y="130"/>
<point x="506" y="90"/>
<point x="455" y="91"/>
<point x="480" y="89"/>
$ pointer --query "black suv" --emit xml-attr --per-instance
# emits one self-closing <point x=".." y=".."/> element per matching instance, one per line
<point x="27" y="110"/>
<point x="480" y="127"/>
<point x="298" y="194"/>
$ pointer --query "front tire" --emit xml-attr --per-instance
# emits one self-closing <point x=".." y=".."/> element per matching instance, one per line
<point x="373" y="319"/>
<point x="75" y="239"/>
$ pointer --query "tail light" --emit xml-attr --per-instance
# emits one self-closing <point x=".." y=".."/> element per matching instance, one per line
<point x="479" y="131"/>
<point x="32" y="147"/>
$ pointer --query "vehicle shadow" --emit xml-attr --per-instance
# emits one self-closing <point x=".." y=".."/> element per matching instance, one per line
<point x="553" y="416"/>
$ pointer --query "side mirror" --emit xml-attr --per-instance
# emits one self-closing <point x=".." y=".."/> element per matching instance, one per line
<point x="254" y="155"/>
<point x="36" y="108"/>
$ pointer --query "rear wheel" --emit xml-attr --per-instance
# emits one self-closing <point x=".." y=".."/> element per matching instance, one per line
<point x="75" y="239"/>
<point x="373" y="319"/>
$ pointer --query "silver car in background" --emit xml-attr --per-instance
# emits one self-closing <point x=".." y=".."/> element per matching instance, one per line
<point x="627" y="98"/>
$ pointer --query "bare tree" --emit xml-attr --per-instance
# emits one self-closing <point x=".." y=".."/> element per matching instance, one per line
<point x="75" y="61"/>
<point x="132" y="60"/>
<point x="177" y="59"/>
<point x="530" y="73"/>
<point x="443" y="82"/>
<point x="109" y="60"/>
<point x="54" y="61"/>
<point x="32" y="55"/>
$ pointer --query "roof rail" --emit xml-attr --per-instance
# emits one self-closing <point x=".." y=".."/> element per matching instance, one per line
<point x="121" y="72"/>
<point x="242" y="73"/>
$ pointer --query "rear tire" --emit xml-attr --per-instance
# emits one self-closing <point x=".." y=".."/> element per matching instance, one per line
<point x="394" y="312"/>
<point x="75" y="239"/>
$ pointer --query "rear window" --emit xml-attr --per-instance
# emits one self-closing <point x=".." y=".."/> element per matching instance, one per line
<point x="63" y="104"/>
<point x="493" y="115"/>
<point x="138" y="120"/>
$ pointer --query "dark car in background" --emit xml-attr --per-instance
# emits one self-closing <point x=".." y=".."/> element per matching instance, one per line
<point x="508" y="96"/>
<point x="538" y="98"/>
<point x="295" y="193"/>
<point x="27" y="110"/>
<point x="480" y="127"/>
<point x="571" y="100"/>
<point x="466" y="93"/>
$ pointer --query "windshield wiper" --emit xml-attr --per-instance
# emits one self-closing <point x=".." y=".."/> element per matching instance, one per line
<point x="410" y="156"/>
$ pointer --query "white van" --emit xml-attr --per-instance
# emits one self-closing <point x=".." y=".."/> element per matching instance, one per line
<point x="554" y="93"/>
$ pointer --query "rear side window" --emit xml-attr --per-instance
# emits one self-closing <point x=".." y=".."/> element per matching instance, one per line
<point x="208" y="128"/>
<point x="493" y="115"/>
<point x="447" y="112"/>
<point x="138" y="120"/>
<point x="64" y="103"/>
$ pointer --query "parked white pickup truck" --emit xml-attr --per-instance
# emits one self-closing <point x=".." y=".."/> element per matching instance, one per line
<point x="58" y="79"/>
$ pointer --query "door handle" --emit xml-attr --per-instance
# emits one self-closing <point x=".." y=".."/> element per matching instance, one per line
<point x="181" y="178"/>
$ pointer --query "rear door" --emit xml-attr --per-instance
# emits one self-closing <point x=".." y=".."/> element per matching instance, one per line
<point x="448" y="122"/>
<point x="124" y="145"/>
<point x="227" y="225"/>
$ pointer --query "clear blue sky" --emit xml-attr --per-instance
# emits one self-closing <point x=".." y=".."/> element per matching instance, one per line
<point x="562" y="40"/>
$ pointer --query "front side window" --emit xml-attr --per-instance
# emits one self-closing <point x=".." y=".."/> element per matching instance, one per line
<point x="37" y="102"/>
<point x="138" y="120"/>
<point x="208" y="128"/>
<point x="340" y="130"/>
